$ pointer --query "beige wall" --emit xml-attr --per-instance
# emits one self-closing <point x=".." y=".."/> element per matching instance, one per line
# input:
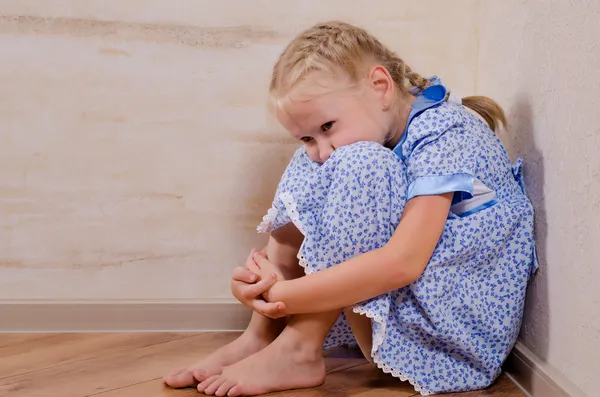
<point x="541" y="60"/>
<point x="136" y="157"/>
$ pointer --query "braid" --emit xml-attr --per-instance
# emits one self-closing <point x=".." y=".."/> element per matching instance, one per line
<point x="415" y="79"/>
<point x="399" y="70"/>
<point x="334" y="46"/>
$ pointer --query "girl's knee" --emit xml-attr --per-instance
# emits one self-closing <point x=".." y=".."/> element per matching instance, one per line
<point x="366" y="166"/>
<point x="361" y="151"/>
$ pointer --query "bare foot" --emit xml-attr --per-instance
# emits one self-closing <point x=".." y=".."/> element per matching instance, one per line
<point x="244" y="346"/>
<point x="285" y="364"/>
<point x="260" y="333"/>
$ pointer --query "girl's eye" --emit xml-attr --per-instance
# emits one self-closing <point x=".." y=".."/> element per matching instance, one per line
<point x="327" y="126"/>
<point x="306" y="139"/>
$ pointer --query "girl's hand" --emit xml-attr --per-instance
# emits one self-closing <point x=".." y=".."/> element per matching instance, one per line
<point x="248" y="287"/>
<point x="268" y="309"/>
<point x="263" y="268"/>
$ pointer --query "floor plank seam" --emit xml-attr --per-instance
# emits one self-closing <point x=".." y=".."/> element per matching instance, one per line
<point x="122" y="387"/>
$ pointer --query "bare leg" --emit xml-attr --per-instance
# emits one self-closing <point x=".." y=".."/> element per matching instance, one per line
<point x="294" y="360"/>
<point x="359" y="207"/>
<point x="362" y="330"/>
<point x="281" y="250"/>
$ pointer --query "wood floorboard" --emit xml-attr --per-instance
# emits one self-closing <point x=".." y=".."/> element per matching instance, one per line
<point x="15" y="339"/>
<point x="67" y="348"/>
<point x="132" y="364"/>
<point x="110" y="371"/>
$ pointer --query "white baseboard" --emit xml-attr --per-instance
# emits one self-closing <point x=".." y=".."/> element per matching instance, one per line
<point x="122" y="316"/>
<point x="537" y="378"/>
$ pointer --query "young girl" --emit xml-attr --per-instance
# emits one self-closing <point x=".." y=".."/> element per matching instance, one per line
<point x="421" y="254"/>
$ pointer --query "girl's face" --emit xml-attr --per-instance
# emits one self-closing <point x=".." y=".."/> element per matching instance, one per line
<point x="330" y="121"/>
<point x="340" y="118"/>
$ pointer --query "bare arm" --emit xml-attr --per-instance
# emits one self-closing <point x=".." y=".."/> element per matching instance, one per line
<point x="397" y="264"/>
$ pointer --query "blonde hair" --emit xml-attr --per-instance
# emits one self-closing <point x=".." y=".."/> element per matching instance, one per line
<point x="334" y="47"/>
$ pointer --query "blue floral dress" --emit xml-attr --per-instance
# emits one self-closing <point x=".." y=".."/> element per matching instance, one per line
<point x="451" y="329"/>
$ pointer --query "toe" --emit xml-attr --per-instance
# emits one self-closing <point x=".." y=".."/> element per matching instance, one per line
<point x="206" y="383"/>
<point x="210" y="390"/>
<point x="180" y="378"/>
<point x="173" y="374"/>
<point x="235" y="391"/>
<point x="224" y="388"/>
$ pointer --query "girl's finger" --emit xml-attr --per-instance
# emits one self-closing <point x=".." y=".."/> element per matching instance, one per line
<point x="250" y="262"/>
<point x="244" y="275"/>
<point x="261" y="261"/>
<point x="269" y="309"/>
<point x="261" y="286"/>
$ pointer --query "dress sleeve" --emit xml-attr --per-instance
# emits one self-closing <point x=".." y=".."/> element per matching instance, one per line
<point x="440" y="156"/>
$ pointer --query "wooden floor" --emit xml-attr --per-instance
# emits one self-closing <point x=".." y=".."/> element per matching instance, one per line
<point x="131" y="365"/>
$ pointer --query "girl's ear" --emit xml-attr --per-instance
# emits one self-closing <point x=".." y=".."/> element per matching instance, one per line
<point x="382" y="84"/>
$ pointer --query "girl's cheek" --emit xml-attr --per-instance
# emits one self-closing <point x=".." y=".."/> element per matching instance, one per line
<point x="344" y="138"/>
<point x="337" y="138"/>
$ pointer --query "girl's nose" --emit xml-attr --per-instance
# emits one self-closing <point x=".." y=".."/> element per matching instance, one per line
<point x="325" y="151"/>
